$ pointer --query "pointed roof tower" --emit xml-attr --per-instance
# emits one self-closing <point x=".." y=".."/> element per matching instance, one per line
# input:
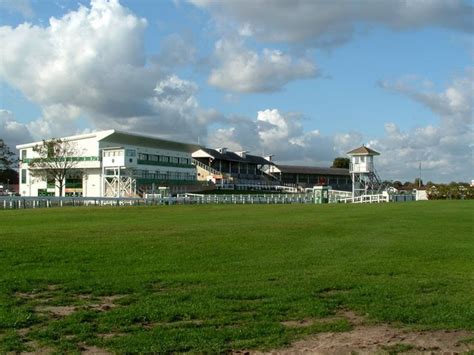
<point x="363" y="150"/>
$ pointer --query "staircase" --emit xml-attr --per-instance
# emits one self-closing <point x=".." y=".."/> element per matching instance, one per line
<point x="209" y="171"/>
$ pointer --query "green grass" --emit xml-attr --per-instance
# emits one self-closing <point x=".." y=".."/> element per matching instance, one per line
<point x="221" y="277"/>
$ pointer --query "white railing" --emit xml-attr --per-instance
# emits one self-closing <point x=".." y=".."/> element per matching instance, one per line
<point x="338" y="195"/>
<point x="245" y="199"/>
<point x="377" y="198"/>
<point x="206" y="167"/>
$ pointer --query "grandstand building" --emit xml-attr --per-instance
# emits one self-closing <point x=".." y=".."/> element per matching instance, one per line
<point x="306" y="176"/>
<point x="238" y="168"/>
<point x="115" y="164"/>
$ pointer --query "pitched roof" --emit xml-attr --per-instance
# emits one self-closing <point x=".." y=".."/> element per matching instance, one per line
<point x="312" y="170"/>
<point x="148" y="141"/>
<point x="363" y="150"/>
<point x="231" y="156"/>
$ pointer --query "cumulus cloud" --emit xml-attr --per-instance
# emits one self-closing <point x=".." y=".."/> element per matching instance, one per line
<point x="244" y="70"/>
<point x="334" y="22"/>
<point x="456" y="102"/>
<point x="276" y="133"/>
<point x="176" y="51"/>
<point x="444" y="150"/>
<point x="23" y="7"/>
<point x="11" y="131"/>
<point x="92" y="63"/>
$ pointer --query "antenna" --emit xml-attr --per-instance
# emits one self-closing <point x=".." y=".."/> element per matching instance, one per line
<point x="419" y="179"/>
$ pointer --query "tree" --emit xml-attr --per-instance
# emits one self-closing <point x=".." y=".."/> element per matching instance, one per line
<point x="397" y="184"/>
<point x="341" y="162"/>
<point x="8" y="163"/>
<point x="7" y="157"/>
<point x="418" y="183"/>
<point x="56" y="160"/>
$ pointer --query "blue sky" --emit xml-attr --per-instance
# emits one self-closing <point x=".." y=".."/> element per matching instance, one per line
<point x="303" y="80"/>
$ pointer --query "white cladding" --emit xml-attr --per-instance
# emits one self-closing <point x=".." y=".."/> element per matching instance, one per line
<point x="362" y="164"/>
<point x="94" y="156"/>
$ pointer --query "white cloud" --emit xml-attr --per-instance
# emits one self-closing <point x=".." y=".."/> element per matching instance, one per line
<point x="276" y="133"/>
<point x="23" y="7"/>
<point x="92" y="63"/>
<point x="176" y="51"/>
<point x="334" y="22"/>
<point x="455" y="103"/>
<point x="243" y="70"/>
<point x="445" y="150"/>
<point x="11" y="131"/>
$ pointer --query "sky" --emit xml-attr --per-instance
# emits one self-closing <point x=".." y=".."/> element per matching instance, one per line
<point x="302" y="80"/>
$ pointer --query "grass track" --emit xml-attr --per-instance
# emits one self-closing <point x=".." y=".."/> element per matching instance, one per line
<point x="221" y="277"/>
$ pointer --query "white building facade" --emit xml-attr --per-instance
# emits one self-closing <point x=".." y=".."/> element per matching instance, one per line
<point x="115" y="164"/>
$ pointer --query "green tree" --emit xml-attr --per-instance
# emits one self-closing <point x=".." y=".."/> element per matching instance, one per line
<point x="341" y="162"/>
<point x="418" y="183"/>
<point x="8" y="162"/>
<point x="56" y="160"/>
<point x="7" y="157"/>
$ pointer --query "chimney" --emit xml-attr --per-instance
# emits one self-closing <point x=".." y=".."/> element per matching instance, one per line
<point x="222" y="150"/>
<point x="269" y="157"/>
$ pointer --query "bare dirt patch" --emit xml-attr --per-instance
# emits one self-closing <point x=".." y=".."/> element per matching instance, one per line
<point x="59" y="311"/>
<point x="349" y="316"/>
<point x="111" y="335"/>
<point x="105" y="303"/>
<point x="36" y="349"/>
<point x="93" y="350"/>
<point x="173" y="323"/>
<point x="382" y="339"/>
<point x="100" y="304"/>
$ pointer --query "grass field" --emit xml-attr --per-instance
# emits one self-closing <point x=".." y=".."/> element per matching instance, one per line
<point x="225" y="277"/>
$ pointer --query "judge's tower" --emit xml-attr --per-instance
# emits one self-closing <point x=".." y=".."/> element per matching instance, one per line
<point x="364" y="176"/>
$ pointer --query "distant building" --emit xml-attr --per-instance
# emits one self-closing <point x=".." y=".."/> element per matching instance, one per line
<point x="307" y="176"/>
<point x="365" y="179"/>
<point x="116" y="164"/>
<point x="233" y="167"/>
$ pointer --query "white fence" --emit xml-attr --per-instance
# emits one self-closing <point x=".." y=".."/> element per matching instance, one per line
<point x="190" y="198"/>
<point x="366" y="199"/>
<point x="47" y="202"/>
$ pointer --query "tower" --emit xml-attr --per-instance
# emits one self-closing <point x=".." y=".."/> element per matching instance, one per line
<point x="364" y="176"/>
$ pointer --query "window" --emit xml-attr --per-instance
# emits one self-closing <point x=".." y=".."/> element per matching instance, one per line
<point x="23" y="176"/>
<point x="50" y="184"/>
<point x="142" y="156"/>
<point x="153" y="157"/>
<point x="50" y="150"/>
<point x="130" y="153"/>
<point x="164" y="159"/>
<point x="23" y="154"/>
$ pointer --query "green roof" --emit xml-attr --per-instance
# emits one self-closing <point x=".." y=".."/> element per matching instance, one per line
<point x="148" y="141"/>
